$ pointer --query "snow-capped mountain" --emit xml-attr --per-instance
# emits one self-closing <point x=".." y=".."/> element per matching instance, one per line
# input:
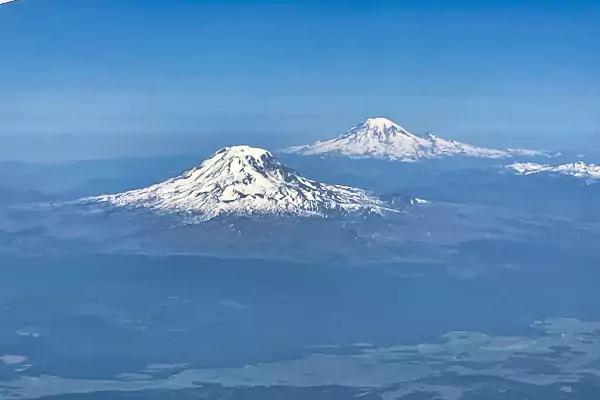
<point x="382" y="138"/>
<point x="577" y="170"/>
<point x="243" y="180"/>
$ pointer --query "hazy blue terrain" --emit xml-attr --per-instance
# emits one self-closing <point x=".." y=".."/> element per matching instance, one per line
<point x="490" y="293"/>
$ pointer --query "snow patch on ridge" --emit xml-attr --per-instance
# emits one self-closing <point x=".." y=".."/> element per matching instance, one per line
<point x="577" y="170"/>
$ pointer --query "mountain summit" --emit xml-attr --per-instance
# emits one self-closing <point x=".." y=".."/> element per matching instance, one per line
<point x="381" y="127"/>
<point x="382" y="138"/>
<point x="244" y="180"/>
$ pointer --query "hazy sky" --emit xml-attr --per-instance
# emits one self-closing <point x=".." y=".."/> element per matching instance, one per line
<point x="309" y="68"/>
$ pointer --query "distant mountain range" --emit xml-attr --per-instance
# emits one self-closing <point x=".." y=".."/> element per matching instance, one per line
<point x="243" y="201"/>
<point x="384" y="139"/>
<point x="248" y="181"/>
<point x="243" y="180"/>
<point x="577" y="170"/>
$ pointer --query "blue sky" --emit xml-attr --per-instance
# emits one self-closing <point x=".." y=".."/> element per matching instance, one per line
<point x="300" y="70"/>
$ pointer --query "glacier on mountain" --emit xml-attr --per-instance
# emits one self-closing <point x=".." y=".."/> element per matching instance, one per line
<point x="242" y="180"/>
<point x="382" y="138"/>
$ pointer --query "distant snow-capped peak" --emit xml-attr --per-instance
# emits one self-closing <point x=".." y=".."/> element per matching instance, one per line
<point x="577" y="170"/>
<point x="243" y="180"/>
<point x="382" y="138"/>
